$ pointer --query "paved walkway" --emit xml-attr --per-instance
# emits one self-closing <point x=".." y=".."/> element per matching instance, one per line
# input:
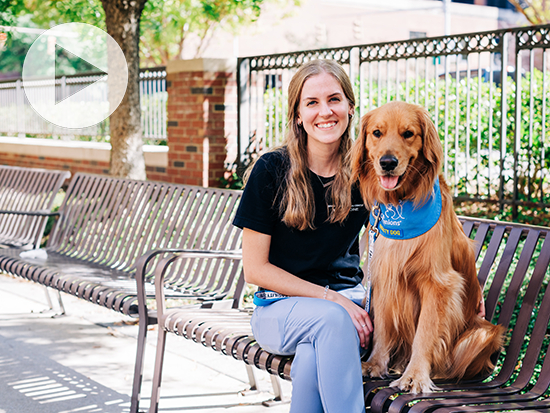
<point x="83" y="362"/>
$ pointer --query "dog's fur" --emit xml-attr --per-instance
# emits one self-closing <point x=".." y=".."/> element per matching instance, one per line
<point x="426" y="295"/>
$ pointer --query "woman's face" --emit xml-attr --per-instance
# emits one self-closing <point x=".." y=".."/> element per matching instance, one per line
<point x="323" y="110"/>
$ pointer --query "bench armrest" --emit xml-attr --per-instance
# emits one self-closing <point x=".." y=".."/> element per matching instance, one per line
<point x="39" y="213"/>
<point x="164" y="263"/>
<point x="190" y="253"/>
<point x="172" y="254"/>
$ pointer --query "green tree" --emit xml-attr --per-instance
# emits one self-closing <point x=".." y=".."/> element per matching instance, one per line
<point x="168" y="24"/>
<point x="164" y="27"/>
<point x="10" y="53"/>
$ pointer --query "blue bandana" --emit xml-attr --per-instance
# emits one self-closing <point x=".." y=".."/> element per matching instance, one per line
<point x="404" y="221"/>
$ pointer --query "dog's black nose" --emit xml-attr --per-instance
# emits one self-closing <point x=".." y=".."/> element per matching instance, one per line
<point x="388" y="162"/>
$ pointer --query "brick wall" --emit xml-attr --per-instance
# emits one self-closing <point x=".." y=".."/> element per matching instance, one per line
<point x="74" y="156"/>
<point x="202" y="120"/>
<point x="73" y="165"/>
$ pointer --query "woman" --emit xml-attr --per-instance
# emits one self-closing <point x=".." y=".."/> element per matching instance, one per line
<point x="301" y="218"/>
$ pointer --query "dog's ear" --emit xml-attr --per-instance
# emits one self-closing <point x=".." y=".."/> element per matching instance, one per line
<point x="431" y="148"/>
<point x="358" y="153"/>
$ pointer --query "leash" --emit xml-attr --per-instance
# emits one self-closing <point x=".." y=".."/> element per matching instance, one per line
<point x="373" y="234"/>
<point x="403" y="221"/>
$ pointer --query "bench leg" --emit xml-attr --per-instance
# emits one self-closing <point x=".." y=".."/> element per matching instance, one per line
<point x="277" y="391"/>
<point x="60" y="301"/>
<point x="48" y="298"/>
<point x="275" y="383"/>
<point x="251" y="377"/>
<point x="138" y="368"/>
<point x="157" y="376"/>
<point x="50" y="303"/>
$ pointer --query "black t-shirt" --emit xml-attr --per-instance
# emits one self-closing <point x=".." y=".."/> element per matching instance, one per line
<point x="327" y="255"/>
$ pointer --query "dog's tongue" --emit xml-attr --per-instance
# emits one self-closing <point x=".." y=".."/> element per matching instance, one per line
<point x="389" y="182"/>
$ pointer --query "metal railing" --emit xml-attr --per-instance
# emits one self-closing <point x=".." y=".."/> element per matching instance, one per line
<point x="17" y="117"/>
<point x="153" y="100"/>
<point x="494" y="128"/>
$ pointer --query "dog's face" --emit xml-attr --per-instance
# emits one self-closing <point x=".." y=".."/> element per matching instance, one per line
<point x="394" y="140"/>
<point x="398" y="153"/>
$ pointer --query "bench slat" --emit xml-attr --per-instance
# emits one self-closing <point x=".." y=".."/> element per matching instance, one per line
<point x="502" y="271"/>
<point x="488" y="261"/>
<point x="481" y="234"/>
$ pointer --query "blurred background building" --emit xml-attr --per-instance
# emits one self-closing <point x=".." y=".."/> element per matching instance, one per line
<point x="334" y="23"/>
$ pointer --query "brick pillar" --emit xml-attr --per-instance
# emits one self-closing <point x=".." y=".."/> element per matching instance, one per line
<point x="202" y="120"/>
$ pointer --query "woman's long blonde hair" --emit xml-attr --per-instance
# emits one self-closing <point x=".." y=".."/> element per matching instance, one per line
<point x="297" y="206"/>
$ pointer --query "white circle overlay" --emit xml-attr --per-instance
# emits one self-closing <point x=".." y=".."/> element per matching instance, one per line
<point x="69" y="102"/>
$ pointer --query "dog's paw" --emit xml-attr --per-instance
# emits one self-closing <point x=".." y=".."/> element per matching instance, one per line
<point x="415" y="385"/>
<point x="372" y="369"/>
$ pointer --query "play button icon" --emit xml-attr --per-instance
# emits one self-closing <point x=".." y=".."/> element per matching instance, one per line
<point x="60" y="71"/>
<point x="70" y="102"/>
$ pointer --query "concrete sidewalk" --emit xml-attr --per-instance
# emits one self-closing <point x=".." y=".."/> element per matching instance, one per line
<point x="83" y="362"/>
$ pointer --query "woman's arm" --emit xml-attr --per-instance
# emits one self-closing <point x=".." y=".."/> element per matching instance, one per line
<point x="259" y="271"/>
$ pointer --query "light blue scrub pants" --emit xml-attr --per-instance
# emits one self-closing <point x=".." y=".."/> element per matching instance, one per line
<point x="326" y="371"/>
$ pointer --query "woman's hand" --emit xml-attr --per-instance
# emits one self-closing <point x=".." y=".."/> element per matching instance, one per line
<point x="481" y="305"/>
<point x="360" y="318"/>
<point x="259" y="271"/>
<point x="481" y="308"/>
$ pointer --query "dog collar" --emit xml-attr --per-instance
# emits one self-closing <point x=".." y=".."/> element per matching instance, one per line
<point x="405" y="221"/>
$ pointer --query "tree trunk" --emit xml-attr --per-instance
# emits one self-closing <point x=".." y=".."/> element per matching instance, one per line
<point x="122" y="19"/>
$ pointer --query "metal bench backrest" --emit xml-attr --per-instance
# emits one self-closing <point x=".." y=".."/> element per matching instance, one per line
<point x="26" y="190"/>
<point x="112" y="222"/>
<point x="516" y="258"/>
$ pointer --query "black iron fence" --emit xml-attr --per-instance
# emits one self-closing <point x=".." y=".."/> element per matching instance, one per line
<point x="487" y="93"/>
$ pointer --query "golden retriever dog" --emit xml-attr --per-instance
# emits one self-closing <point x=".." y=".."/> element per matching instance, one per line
<point x="425" y="293"/>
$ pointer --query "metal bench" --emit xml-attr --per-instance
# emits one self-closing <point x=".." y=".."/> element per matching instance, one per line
<point x="512" y="261"/>
<point x="26" y="200"/>
<point x="105" y="230"/>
